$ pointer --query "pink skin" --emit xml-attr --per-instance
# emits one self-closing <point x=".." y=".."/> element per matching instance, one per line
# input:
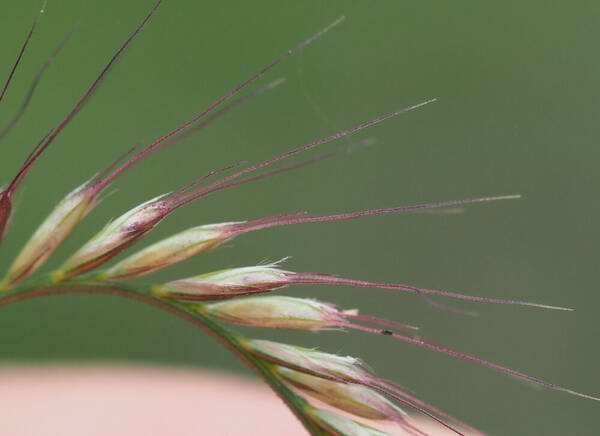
<point x="142" y="401"/>
<point x="137" y="400"/>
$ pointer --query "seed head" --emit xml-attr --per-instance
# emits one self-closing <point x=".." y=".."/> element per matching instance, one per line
<point x="340" y="381"/>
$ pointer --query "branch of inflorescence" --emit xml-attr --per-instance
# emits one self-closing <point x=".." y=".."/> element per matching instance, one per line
<point x="228" y="338"/>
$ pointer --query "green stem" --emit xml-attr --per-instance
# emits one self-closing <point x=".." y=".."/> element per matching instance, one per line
<point x="227" y="337"/>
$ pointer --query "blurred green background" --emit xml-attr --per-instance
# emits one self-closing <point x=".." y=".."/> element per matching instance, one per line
<point x="517" y="84"/>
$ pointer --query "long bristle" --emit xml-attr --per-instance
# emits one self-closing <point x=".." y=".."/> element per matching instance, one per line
<point x="120" y="159"/>
<point x="309" y="146"/>
<point x="389" y="387"/>
<point x="384" y="323"/>
<point x="14" y="184"/>
<point x="22" y="51"/>
<point x="250" y="226"/>
<point x="308" y="278"/>
<point x="416" y="407"/>
<point x="202" y="192"/>
<point x="218" y="114"/>
<point x="33" y="86"/>
<point x="463" y="356"/>
<point x="182" y="192"/>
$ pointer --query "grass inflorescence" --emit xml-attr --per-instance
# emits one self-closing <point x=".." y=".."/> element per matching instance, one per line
<point x="230" y="295"/>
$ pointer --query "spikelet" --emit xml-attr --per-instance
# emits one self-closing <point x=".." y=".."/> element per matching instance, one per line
<point x="169" y="251"/>
<point x="114" y="238"/>
<point x="332" y="366"/>
<point x="278" y="312"/>
<point x="51" y="234"/>
<point x="227" y="283"/>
